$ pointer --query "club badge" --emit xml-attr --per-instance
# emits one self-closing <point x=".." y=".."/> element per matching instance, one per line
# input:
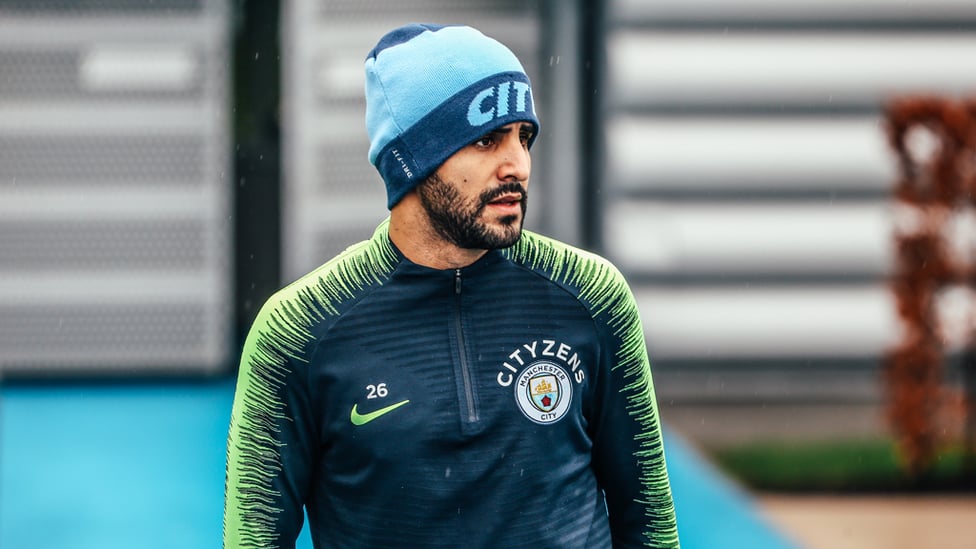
<point x="543" y="392"/>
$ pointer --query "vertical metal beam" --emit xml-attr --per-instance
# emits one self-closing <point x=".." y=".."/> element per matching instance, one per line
<point x="592" y="112"/>
<point x="560" y="162"/>
<point x="257" y="187"/>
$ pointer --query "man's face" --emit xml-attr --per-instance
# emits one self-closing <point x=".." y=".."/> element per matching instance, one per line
<point x="477" y="198"/>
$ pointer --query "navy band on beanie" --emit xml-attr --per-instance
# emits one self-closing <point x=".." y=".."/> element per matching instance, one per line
<point x="430" y="91"/>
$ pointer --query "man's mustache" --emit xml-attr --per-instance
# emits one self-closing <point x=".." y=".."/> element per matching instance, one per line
<point x="511" y="187"/>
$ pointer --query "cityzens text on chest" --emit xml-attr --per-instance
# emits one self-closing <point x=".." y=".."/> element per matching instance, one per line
<point x="538" y="349"/>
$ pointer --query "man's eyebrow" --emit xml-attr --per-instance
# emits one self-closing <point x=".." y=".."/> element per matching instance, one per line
<point x="524" y="127"/>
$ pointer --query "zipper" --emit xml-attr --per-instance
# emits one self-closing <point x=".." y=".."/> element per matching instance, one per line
<point x="469" y="400"/>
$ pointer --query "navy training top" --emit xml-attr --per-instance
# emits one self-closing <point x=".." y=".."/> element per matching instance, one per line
<point x="505" y="404"/>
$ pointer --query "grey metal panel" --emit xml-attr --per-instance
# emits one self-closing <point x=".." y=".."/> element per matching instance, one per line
<point x="104" y="244"/>
<point x="747" y="177"/>
<point x="67" y="71"/>
<point x="114" y="189"/>
<point x="339" y="165"/>
<point x="86" y="160"/>
<point x="786" y="69"/>
<point x="764" y="239"/>
<point x="755" y="322"/>
<point x="35" y="8"/>
<point x="132" y="338"/>
<point x="418" y="10"/>
<point x="783" y="154"/>
<point x="760" y="11"/>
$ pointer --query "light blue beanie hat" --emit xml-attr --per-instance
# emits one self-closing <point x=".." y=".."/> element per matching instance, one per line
<point x="430" y="91"/>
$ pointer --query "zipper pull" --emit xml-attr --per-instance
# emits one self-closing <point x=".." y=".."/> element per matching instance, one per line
<point x="457" y="281"/>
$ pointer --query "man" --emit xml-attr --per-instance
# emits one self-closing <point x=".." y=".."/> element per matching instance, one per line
<point x="454" y="381"/>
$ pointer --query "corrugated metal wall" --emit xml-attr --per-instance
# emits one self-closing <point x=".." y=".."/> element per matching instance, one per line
<point x="114" y="186"/>
<point x="746" y="181"/>
<point x="741" y="179"/>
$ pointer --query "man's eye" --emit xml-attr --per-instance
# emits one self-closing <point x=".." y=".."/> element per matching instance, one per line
<point x="484" y="141"/>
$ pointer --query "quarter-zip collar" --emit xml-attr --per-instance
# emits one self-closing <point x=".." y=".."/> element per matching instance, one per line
<point x="456" y="281"/>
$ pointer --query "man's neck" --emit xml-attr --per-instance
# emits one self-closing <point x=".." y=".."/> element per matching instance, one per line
<point x="412" y="233"/>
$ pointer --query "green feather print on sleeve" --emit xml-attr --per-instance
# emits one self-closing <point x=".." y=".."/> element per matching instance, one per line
<point x="274" y="348"/>
<point x="601" y="285"/>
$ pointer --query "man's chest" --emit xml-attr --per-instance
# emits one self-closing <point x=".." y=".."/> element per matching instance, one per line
<point x="446" y="372"/>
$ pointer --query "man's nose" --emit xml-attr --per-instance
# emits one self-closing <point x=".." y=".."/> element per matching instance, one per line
<point x="516" y="163"/>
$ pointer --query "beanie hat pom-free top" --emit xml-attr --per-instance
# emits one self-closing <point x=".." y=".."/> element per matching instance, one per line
<point x="430" y="91"/>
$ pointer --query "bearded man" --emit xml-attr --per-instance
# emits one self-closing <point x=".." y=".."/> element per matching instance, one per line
<point x="454" y="381"/>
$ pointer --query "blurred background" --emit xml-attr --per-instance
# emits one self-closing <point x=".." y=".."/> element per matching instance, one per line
<point x="166" y="165"/>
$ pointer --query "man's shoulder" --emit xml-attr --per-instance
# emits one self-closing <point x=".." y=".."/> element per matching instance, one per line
<point x="542" y="252"/>
<point x="586" y="272"/>
<point x="323" y="291"/>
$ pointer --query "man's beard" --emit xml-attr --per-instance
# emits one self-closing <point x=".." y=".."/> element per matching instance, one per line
<point x="458" y="221"/>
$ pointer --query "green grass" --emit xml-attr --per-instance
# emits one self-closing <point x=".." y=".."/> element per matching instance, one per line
<point x="845" y="466"/>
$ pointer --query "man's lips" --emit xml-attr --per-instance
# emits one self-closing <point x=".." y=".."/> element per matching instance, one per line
<point x="507" y="199"/>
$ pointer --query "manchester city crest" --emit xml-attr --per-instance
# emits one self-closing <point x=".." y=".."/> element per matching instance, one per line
<point x="543" y="392"/>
